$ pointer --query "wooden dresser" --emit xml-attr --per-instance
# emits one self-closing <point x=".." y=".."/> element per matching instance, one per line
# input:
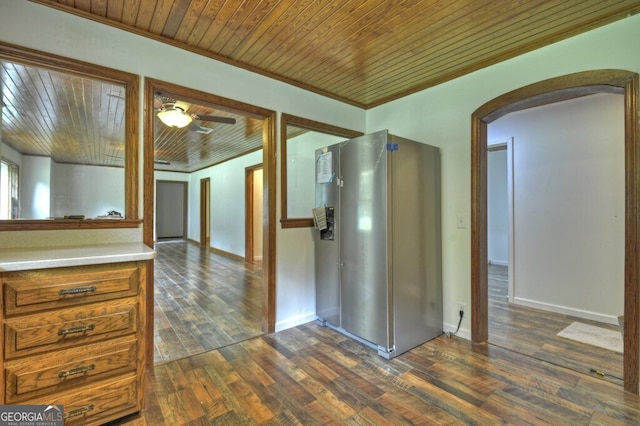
<point x="73" y="335"/>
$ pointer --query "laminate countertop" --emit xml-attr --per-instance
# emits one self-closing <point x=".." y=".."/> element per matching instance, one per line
<point x="26" y="258"/>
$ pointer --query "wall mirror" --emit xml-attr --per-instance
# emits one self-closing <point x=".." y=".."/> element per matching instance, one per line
<point x="68" y="143"/>
<point x="300" y="138"/>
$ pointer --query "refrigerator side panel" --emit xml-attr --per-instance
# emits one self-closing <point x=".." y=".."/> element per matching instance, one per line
<point x="363" y="202"/>
<point x="327" y="242"/>
<point x="417" y="276"/>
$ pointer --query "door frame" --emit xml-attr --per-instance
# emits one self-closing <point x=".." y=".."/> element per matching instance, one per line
<point x="268" y="117"/>
<point x="205" y="212"/>
<point x="542" y="93"/>
<point x="249" y="236"/>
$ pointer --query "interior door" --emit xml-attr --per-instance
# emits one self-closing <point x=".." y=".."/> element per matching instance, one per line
<point x="171" y="208"/>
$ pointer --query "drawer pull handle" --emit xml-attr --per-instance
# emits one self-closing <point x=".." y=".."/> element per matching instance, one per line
<point x="77" y="290"/>
<point x="79" y="411"/>
<point x="78" y="370"/>
<point x="72" y="330"/>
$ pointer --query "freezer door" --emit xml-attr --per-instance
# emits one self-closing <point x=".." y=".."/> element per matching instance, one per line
<point x="327" y="246"/>
<point x="415" y="244"/>
<point x="363" y="214"/>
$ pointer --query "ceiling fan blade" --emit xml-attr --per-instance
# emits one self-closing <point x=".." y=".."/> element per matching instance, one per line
<point x="193" y="126"/>
<point x="199" y="129"/>
<point x="216" y="119"/>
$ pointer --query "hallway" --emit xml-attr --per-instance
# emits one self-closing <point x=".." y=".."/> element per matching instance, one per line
<point x="203" y="300"/>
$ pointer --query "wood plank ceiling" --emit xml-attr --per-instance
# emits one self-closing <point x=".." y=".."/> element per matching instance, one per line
<point x="363" y="52"/>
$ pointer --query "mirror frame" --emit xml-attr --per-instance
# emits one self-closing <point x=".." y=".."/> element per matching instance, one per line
<point x="315" y="126"/>
<point x="131" y="83"/>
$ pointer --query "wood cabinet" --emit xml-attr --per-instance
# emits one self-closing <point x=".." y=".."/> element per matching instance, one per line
<point x="74" y="336"/>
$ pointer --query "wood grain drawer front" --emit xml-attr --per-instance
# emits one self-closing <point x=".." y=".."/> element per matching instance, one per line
<point x="62" y="328"/>
<point x="98" y="404"/>
<point x="68" y="369"/>
<point x="36" y="290"/>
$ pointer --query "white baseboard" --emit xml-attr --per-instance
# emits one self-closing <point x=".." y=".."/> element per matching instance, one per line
<point x="462" y="333"/>
<point x="499" y="262"/>
<point x="294" y="322"/>
<point x="567" y="310"/>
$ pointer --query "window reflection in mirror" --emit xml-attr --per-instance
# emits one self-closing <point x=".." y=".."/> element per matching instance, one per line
<point x="67" y="141"/>
<point x="300" y="138"/>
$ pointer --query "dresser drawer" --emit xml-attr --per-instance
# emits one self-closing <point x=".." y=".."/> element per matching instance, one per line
<point x="31" y="291"/>
<point x="62" y="328"/>
<point x="66" y="369"/>
<point x="97" y="404"/>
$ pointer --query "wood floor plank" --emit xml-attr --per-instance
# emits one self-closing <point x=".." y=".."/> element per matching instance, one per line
<point x="439" y="382"/>
<point x="534" y="332"/>
<point x="203" y="300"/>
<point x="313" y="375"/>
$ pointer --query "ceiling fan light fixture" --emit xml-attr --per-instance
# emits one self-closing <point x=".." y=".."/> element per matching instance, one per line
<point x="174" y="117"/>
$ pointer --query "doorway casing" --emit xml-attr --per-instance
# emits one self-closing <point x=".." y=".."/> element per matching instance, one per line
<point x="268" y="117"/>
<point x="205" y="214"/>
<point x="545" y="92"/>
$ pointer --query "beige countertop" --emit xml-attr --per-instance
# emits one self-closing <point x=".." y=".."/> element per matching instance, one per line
<point x="25" y="258"/>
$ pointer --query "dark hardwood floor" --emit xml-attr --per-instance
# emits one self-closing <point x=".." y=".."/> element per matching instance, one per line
<point x="534" y="332"/>
<point x="313" y="375"/>
<point x="203" y="300"/>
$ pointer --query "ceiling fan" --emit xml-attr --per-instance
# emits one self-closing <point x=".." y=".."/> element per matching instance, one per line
<point x="174" y="114"/>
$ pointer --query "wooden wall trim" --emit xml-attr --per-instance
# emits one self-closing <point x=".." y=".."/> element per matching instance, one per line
<point x="548" y="91"/>
<point x="131" y="82"/>
<point x="269" y="190"/>
<point x="632" y="238"/>
<point x="269" y="164"/>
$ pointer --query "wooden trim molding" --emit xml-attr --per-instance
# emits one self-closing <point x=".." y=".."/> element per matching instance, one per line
<point x="314" y="126"/>
<point x="549" y="91"/>
<point x="41" y="225"/>
<point x="131" y="82"/>
<point x="268" y="117"/>
<point x="249" y="222"/>
<point x="248" y="217"/>
<point x="269" y="164"/>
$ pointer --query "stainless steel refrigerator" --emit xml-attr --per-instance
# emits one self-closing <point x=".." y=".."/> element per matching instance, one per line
<point x="378" y="244"/>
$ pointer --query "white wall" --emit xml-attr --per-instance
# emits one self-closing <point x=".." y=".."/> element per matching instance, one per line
<point x="301" y="171"/>
<point x="67" y="189"/>
<point x="441" y="116"/>
<point x="569" y="205"/>
<point x="86" y="190"/>
<point x="35" y="187"/>
<point x="227" y="203"/>
<point x="9" y="153"/>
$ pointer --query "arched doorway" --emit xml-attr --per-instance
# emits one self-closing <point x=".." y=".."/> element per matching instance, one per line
<point x="545" y="92"/>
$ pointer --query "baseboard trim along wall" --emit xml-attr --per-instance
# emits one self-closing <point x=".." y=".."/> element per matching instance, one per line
<point x="594" y="316"/>
<point x="294" y="322"/>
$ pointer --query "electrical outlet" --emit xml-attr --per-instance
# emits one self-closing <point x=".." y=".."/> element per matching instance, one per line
<point x="462" y="307"/>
